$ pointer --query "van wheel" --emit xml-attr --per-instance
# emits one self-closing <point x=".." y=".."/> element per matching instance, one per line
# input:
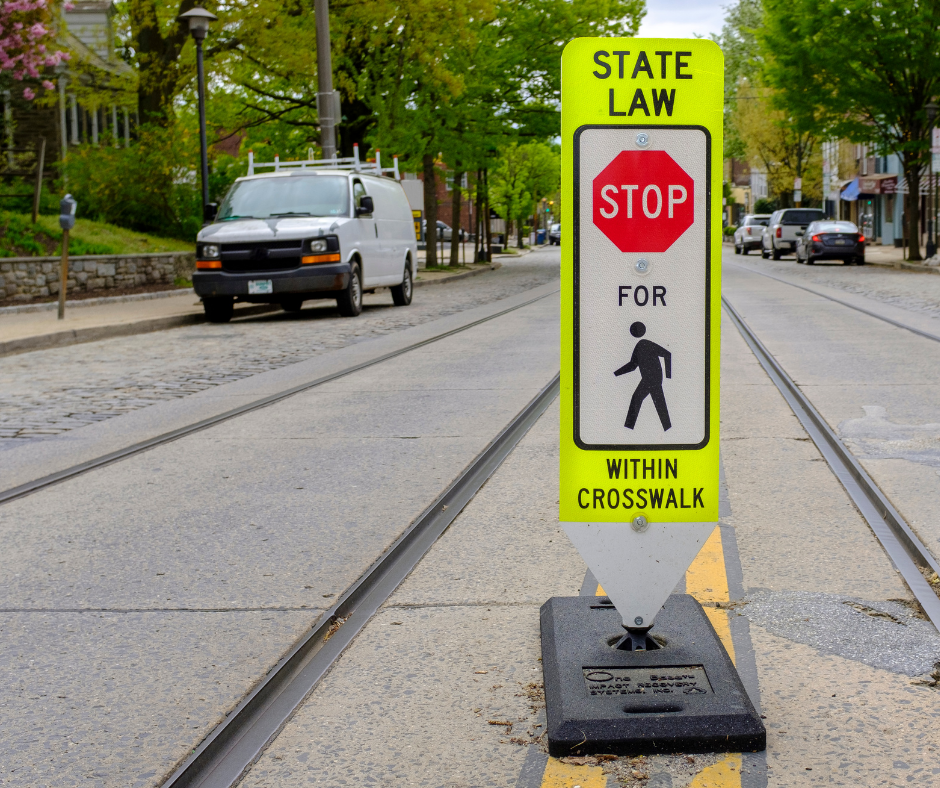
<point x="810" y="260"/>
<point x="350" y="300"/>
<point x="292" y="304"/>
<point x="401" y="294"/>
<point x="218" y="310"/>
<point x="775" y="254"/>
<point x="737" y="249"/>
<point x="763" y="253"/>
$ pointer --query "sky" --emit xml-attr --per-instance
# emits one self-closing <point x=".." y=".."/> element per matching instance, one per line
<point x="682" y="18"/>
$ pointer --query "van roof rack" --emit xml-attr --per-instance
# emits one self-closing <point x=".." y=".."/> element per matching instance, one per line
<point x="351" y="163"/>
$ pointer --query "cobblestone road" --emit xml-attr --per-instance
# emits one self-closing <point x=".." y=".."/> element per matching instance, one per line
<point x="48" y="392"/>
<point x="911" y="290"/>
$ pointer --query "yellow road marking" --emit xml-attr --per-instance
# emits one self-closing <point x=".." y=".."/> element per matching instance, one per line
<point x="567" y="775"/>
<point x="707" y="581"/>
<point x="724" y="774"/>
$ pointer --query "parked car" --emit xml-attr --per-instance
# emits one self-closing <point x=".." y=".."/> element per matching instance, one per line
<point x="831" y="240"/>
<point x="780" y="235"/>
<point x="748" y="235"/>
<point x="554" y="235"/>
<point x="444" y="232"/>
<point x="284" y="237"/>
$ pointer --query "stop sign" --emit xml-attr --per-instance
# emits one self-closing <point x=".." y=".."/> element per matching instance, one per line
<point x="643" y="201"/>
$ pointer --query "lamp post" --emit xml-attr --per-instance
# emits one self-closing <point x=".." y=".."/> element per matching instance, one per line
<point x="199" y="19"/>
<point x="931" y="117"/>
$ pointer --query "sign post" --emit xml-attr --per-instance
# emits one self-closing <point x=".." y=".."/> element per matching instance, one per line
<point x="641" y="168"/>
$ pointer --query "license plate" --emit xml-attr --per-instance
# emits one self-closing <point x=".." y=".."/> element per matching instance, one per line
<point x="260" y="287"/>
<point x="840" y="242"/>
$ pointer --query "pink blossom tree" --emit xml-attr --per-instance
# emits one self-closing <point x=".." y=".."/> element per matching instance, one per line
<point x="28" y="41"/>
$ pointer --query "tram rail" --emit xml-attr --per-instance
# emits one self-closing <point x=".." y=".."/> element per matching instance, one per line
<point x="44" y="482"/>
<point x="903" y="546"/>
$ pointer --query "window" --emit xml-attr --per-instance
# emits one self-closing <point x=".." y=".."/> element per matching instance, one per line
<point x="359" y="191"/>
<point x="295" y="195"/>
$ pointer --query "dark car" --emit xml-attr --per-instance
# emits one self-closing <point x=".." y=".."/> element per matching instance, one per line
<point x="831" y="240"/>
<point x="554" y="235"/>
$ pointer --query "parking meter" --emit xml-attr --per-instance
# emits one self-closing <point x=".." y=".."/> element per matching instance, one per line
<point x="67" y="207"/>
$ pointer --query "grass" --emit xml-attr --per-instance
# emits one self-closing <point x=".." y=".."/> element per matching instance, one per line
<point x="19" y="237"/>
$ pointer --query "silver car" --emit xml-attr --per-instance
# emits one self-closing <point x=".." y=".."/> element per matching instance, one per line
<point x="748" y="235"/>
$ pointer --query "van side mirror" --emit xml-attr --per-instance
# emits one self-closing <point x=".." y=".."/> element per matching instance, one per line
<point x="366" y="206"/>
<point x="210" y="212"/>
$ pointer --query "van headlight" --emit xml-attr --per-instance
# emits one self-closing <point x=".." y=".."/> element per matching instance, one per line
<point x="208" y="252"/>
<point x="325" y="243"/>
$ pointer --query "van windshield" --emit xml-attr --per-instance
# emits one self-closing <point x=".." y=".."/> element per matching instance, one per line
<point x="300" y="195"/>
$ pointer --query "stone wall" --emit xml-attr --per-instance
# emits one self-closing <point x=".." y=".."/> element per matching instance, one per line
<point x="25" y="278"/>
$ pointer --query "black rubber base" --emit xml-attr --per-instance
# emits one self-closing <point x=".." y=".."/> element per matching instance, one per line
<point x="685" y="696"/>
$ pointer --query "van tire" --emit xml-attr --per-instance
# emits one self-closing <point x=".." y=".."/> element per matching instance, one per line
<point x="776" y="254"/>
<point x="401" y="294"/>
<point x="292" y="303"/>
<point x="764" y="253"/>
<point x="349" y="301"/>
<point x="218" y="310"/>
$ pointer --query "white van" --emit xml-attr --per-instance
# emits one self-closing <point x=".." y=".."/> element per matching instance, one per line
<point x="288" y="236"/>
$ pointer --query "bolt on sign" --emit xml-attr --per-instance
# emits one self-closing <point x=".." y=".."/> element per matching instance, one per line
<point x="641" y="170"/>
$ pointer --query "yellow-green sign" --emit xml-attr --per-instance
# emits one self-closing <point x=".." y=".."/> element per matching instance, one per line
<point x="641" y="264"/>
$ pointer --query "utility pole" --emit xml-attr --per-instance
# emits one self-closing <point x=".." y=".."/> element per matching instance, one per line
<point x="326" y="99"/>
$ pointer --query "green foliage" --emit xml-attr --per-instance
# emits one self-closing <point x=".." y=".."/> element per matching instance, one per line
<point x="151" y="186"/>
<point x="523" y="176"/>
<point x="729" y="230"/>
<point x="861" y="70"/>
<point x="19" y="237"/>
<point x="743" y="63"/>
<point x="764" y="205"/>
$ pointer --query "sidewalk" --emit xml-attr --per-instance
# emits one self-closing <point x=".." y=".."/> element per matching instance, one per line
<point x="38" y="327"/>
<point x="893" y="256"/>
<point x="876" y="254"/>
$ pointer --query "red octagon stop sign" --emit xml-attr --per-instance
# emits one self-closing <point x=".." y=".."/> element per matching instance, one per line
<point x="643" y="201"/>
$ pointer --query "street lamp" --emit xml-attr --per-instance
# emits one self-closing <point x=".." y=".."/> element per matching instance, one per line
<point x="199" y="19"/>
<point x="931" y="246"/>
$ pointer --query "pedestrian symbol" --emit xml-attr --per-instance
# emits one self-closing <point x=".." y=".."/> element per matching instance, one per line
<point x="646" y="357"/>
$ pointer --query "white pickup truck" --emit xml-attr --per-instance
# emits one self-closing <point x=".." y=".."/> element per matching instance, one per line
<point x="782" y="231"/>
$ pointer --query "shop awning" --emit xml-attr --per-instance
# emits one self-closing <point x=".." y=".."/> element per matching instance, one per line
<point x="850" y="193"/>
<point x="925" y="183"/>
<point x="883" y="183"/>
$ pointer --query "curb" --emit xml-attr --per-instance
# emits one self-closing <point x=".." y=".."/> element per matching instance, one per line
<point x="79" y="335"/>
<point x="94" y="333"/>
<point x="905" y="266"/>
<point x="100" y="301"/>
<point x="455" y="277"/>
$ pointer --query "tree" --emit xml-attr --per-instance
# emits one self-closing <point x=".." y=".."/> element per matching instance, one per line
<point x="782" y="149"/>
<point x="743" y="61"/>
<point x="28" y="43"/>
<point x="862" y="70"/>
<point x="524" y="175"/>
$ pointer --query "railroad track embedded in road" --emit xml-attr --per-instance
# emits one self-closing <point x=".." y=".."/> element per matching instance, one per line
<point x="899" y="541"/>
<point x="896" y="323"/>
<point x="224" y="755"/>
<point x="27" y="488"/>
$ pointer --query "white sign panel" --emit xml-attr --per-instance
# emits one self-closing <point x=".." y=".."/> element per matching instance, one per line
<point x="642" y="287"/>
